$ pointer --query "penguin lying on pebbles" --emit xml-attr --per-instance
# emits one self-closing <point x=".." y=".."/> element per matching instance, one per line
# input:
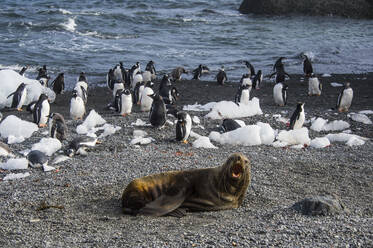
<point x="345" y="98"/>
<point x="157" y="114"/>
<point x="37" y="159"/>
<point x="298" y="117"/>
<point x="79" y="145"/>
<point x="183" y="126"/>
<point x="19" y="97"/>
<point x="280" y="94"/>
<point x="57" y="126"/>
<point x="229" y="125"/>
<point x="177" y="72"/>
<point x="221" y="77"/>
<point x="77" y="107"/>
<point x="41" y="111"/>
<point x="58" y="84"/>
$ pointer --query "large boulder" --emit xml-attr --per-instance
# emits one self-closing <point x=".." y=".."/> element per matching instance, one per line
<point x="321" y="205"/>
<point x="345" y="8"/>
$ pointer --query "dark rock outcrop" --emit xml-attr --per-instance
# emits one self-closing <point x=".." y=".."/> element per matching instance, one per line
<point x="344" y="8"/>
<point x="320" y="205"/>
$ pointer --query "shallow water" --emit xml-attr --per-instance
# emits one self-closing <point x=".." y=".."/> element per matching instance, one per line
<point x="92" y="36"/>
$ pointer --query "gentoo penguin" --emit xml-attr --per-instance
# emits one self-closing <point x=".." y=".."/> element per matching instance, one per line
<point x="41" y="111"/>
<point x="59" y="84"/>
<point x="164" y="82"/>
<point x="243" y="95"/>
<point x="83" y="78"/>
<point x="280" y="75"/>
<point x="345" y="98"/>
<point x="79" y="145"/>
<point x="150" y="73"/>
<point x="145" y="99"/>
<point x="19" y="97"/>
<point x="257" y="80"/>
<point x="37" y="159"/>
<point x="201" y="69"/>
<point x="124" y="102"/>
<point x="23" y="70"/>
<point x="157" y="114"/>
<point x="134" y="70"/>
<point x="5" y="150"/>
<point x="118" y="72"/>
<point x="280" y="94"/>
<point x="176" y="73"/>
<point x="250" y="68"/>
<point x="110" y="79"/>
<point x="43" y="77"/>
<point x="117" y="85"/>
<point x="137" y="92"/>
<point x="30" y="106"/>
<point x="221" y="77"/>
<point x="81" y="91"/>
<point x="183" y="126"/>
<point x="298" y="117"/>
<point x="77" y="107"/>
<point x="57" y="126"/>
<point x="169" y="94"/>
<point x="279" y="65"/>
<point x="307" y="66"/>
<point x="245" y="80"/>
<point x="229" y="125"/>
<point x="136" y="79"/>
<point x="314" y="86"/>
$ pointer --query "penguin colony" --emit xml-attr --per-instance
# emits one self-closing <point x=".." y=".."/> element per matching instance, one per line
<point x="131" y="87"/>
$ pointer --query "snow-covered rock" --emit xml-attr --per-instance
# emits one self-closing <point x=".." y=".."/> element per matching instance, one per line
<point x="228" y="109"/>
<point x="90" y="122"/>
<point x="361" y="118"/>
<point x="13" y="176"/>
<point x="13" y="126"/>
<point x="15" y="164"/>
<point x="294" y="137"/>
<point x="9" y="82"/>
<point x="48" y="146"/>
<point x="321" y="124"/>
<point x="203" y="142"/>
<point x="320" y="142"/>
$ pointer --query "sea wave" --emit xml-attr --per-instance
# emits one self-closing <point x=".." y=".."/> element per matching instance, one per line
<point x="65" y="12"/>
<point x="69" y="25"/>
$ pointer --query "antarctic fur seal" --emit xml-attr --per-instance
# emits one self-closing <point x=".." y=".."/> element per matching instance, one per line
<point x="173" y="192"/>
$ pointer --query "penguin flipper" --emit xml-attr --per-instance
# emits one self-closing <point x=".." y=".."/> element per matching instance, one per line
<point x="11" y="94"/>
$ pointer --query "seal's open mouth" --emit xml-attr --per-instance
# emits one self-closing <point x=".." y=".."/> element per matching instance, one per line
<point x="237" y="170"/>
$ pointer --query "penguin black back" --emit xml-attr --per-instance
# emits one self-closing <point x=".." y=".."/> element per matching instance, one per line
<point x="157" y="115"/>
<point x="59" y="83"/>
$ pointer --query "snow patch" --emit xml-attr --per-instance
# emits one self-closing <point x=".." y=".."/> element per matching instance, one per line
<point x="48" y="146"/>
<point x="196" y="120"/>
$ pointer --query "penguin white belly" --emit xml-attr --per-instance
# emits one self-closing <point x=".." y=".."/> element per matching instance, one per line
<point x="118" y="74"/>
<point x="44" y="113"/>
<point x="188" y="127"/>
<point x="77" y="108"/>
<point x="346" y="99"/>
<point x="147" y="76"/>
<point x="126" y="104"/>
<point x="247" y="81"/>
<point x="117" y="86"/>
<point x="300" y="121"/>
<point x="136" y="79"/>
<point x="314" y="86"/>
<point x="145" y="100"/>
<point x="277" y="94"/>
<point x="23" y="99"/>
<point x="245" y="97"/>
<point x="83" y="84"/>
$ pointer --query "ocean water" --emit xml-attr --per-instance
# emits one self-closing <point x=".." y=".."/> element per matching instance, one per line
<point x="92" y="36"/>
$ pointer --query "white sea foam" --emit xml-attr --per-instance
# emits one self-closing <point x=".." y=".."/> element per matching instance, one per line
<point x="69" y="25"/>
<point x="65" y="12"/>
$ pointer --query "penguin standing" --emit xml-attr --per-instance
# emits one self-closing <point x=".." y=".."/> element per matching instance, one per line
<point x="41" y="111"/>
<point x="307" y="66"/>
<point x="201" y="69"/>
<point x="157" y="114"/>
<point x="136" y="79"/>
<point x="345" y="98"/>
<point x="125" y="102"/>
<point x="57" y="126"/>
<point x="169" y="94"/>
<point x="314" y="86"/>
<point x="250" y="68"/>
<point x="37" y="159"/>
<point x="83" y="78"/>
<point x="137" y="92"/>
<point x="221" y="77"/>
<point x="183" y="126"/>
<point x="145" y="99"/>
<point x="19" y="97"/>
<point x="279" y="65"/>
<point x="257" y="80"/>
<point x="118" y="72"/>
<point x="177" y="72"/>
<point x="117" y="85"/>
<point x="133" y="71"/>
<point x="43" y="77"/>
<point x="150" y="73"/>
<point x="77" y="107"/>
<point x="280" y="93"/>
<point x="110" y="79"/>
<point x="243" y="95"/>
<point x="298" y="117"/>
<point x="81" y="92"/>
<point x="245" y="80"/>
<point x="59" y="84"/>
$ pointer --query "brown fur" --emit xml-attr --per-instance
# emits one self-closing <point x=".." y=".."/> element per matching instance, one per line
<point x="208" y="189"/>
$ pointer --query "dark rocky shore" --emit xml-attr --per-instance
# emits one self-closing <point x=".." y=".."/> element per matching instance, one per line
<point x="79" y="204"/>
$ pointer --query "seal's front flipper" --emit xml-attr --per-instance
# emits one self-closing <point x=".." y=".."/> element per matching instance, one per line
<point x="164" y="204"/>
<point x="178" y="213"/>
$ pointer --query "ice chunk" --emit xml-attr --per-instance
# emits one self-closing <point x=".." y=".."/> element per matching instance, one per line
<point x="348" y="139"/>
<point x="196" y="120"/>
<point x="228" y="109"/>
<point x="47" y="168"/>
<point x="354" y="141"/>
<point x="321" y="124"/>
<point x="9" y="82"/>
<point x="60" y="159"/>
<point x="279" y="118"/>
<point x="361" y="118"/>
<point x="48" y="146"/>
<point x="366" y="112"/>
<point x="12" y="139"/>
<point x="320" y="142"/>
<point x="15" y="164"/>
<point x="294" y="137"/>
<point x="203" y="142"/>
<point x="267" y="134"/>
<point x="13" y="176"/>
<point x="279" y="144"/>
<point x="16" y="127"/>
<point x="90" y="122"/>
<point x="139" y="133"/>
<point x="141" y="141"/>
<point x="299" y="146"/>
<point x="334" y="84"/>
<point x="139" y="122"/>
<point x="247" y="136"/>
<point x="109" y="130"/>
<point x="199" y="107"/>
<point x="326" y="75"/>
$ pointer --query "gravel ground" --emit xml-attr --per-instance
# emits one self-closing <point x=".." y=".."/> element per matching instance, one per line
<point x="85" y="192"/>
